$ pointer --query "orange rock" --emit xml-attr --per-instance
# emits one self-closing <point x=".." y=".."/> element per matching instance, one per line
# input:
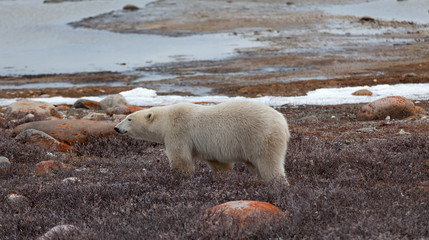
<point x="245" y="212"/>
<point x="62" y="107"/>
<point x="395" y="107"/>
<point x="362" y="92"/>
<point x="85" y="103"/>
<point x="21" y="108"/>
<point x="43" y="140"/>
<point x="70" y="130"/>
<point x="49" y="167"/>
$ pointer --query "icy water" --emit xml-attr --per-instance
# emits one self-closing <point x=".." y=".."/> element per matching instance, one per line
<point x="35" y="39"/>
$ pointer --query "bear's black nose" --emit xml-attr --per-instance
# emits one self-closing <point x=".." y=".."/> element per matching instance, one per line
<point x="117" y="130"/>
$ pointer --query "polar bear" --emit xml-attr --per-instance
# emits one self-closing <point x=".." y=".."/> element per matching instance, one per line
<point x="221" y="135"/>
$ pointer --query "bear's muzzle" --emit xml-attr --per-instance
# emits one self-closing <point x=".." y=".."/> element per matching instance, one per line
<point x="120" y="131"/>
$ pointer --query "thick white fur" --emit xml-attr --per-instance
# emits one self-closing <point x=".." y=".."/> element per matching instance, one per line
<point x="221" y="135"/>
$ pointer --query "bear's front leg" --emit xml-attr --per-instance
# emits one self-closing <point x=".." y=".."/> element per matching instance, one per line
<point x="220" y="169"/>
<point x="180" y="157"/>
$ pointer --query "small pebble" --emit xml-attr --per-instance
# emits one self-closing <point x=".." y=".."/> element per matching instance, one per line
<point x="4" y="164"/>
<point x="71" y="180"/>
<point x="403" y="132"/>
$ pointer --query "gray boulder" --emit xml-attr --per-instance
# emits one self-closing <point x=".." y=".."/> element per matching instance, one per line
<point x="111" y="101"/>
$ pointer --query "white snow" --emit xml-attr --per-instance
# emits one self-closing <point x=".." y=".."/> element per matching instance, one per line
<point x="323" y="96"/>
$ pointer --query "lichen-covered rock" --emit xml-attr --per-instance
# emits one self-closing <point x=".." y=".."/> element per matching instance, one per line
<point x="112" y="101"/>
<point x="22" y="108"/>
<point x="86" y="104"/>
<point x="394" y="106"/>
<point x="246" y="213"/>
<point x="70" y="131"/>
<point x="43" y="140"/>
<point x="4" y="165"/>
<point x="49" y="167"/>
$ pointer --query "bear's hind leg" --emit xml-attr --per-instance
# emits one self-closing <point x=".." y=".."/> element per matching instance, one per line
<point x="273" y="172"/>
<point x="220" y="168"/>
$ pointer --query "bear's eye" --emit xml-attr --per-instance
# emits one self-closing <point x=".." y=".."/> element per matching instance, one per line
<point x="149" y="115"/>
<point x="129" y="119"/>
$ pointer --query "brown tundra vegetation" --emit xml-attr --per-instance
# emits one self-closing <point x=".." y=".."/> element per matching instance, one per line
<point x="349" y="179"/>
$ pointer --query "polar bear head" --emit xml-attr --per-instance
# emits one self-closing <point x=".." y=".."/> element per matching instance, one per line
<point x="148" y="124"/>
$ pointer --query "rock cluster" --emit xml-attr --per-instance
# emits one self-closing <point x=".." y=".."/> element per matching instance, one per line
<point x="69" y="131"/>
<point x="58" y="128"/>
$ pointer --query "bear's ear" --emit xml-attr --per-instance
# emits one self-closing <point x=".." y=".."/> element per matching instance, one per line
<point x="149" y="117"/>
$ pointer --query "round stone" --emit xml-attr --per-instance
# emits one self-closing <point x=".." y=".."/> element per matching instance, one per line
<point x="245" y="212"/>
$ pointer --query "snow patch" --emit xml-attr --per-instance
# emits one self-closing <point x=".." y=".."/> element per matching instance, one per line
<point x="324" y="96"/>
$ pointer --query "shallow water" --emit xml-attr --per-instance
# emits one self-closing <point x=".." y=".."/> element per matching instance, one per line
<point x="35" y="39"/>
<point x="408" y="10"/>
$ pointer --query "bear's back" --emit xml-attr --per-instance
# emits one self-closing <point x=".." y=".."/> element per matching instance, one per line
<point x="242" y="112"/>
<point x="231" y="129"/>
